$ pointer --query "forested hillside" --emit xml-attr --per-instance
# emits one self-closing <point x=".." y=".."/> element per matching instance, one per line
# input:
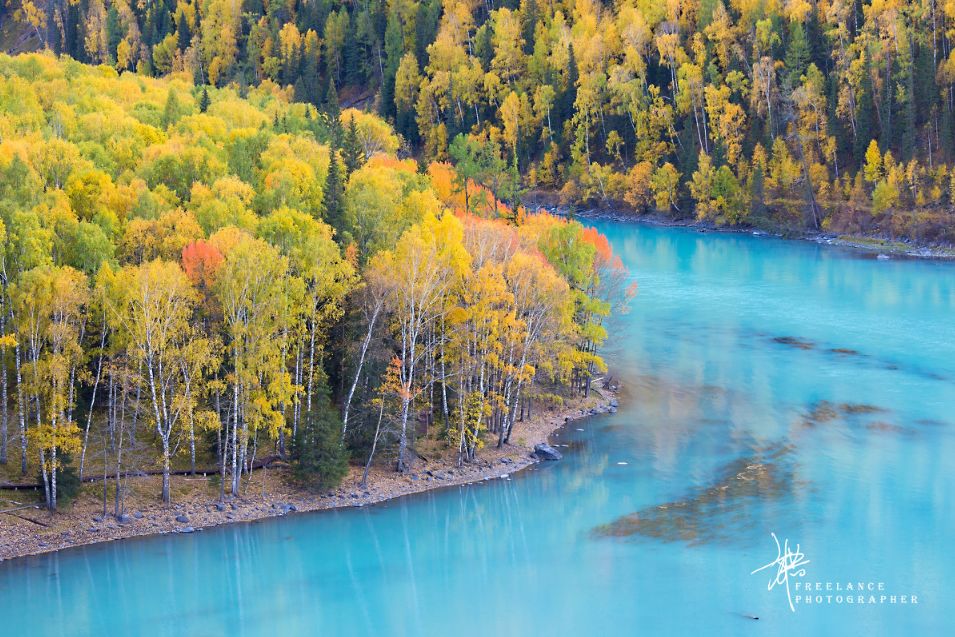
<point x="194" y="277"/>
<point x="836" y="114"/>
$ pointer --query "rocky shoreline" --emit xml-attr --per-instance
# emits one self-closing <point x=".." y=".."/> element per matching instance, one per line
<point x="878" y="247"/>
<point x="268" y="494"/>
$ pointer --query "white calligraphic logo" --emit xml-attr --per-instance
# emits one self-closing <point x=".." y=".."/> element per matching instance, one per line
<point x="788" y="563"/>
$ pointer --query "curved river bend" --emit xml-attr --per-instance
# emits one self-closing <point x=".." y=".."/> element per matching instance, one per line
<point x="771" y="387"/>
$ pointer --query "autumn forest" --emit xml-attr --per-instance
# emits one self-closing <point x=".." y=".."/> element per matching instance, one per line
<point x="833" y="115"/>
<point x="300" y="230"/>
<point x="194" y="277"/>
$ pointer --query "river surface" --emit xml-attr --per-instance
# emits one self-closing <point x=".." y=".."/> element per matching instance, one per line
<point x="770" y="387"/>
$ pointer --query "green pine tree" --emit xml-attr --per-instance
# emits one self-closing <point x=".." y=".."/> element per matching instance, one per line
<point x="865" y="123"/>
<point x="394" y="49"/>
<point x="310" y="79"/>
<point x="334" y="196"/>
<point x="529" y="18"/>
<point x="183" y="34"/>
<point x="907" y="129"/>
<point x="331" y="100"/>
<point x="426" y="28"/>
<point x="568" y="94"/>
<point x="352" y="55"/>
<point x="352" y="153"/>
<point x="68" y="483"/>
<point x="319" y="459"/>
<point x="797" y="53"/>
<point x="172" y="110"/>
<point x="757" y="193"/>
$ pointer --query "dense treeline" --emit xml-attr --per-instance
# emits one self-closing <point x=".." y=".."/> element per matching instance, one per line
<point x="835" y="114"/>
<point x="190" y="276"/>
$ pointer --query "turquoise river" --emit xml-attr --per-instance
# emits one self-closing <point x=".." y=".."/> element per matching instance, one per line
<point x="769" y="387"/>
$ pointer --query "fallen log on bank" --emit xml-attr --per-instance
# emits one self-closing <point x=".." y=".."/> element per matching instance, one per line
<point x="261" y="463"/>
<point x="23" y="517"/>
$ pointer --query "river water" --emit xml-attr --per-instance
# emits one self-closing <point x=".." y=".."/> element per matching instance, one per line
<point x="770" y="387"/>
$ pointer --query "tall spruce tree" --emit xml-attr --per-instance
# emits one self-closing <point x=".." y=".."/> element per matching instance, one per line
<point x="332" y="106"/>
<point x="353" y="155"/>
<point x="394" y="49"/>
<point x="320" y="460"/>
<point x="797" y="53"/>
<point x="333" y="202"/>
<point x="568" y="94"/>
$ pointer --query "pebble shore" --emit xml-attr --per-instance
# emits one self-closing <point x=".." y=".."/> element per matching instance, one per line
<point x="269" y="494"/>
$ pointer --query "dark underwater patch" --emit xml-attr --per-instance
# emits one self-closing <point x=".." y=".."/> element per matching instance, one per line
<point x="852" y="409"/>
<point x="821" y="412"/>
<point x="825" y="411"/>
<point x="886" y="427"/>
<point x="931" y="422"/>
<point x="606" y="429"/>
<point x="845" y="351"/>
<point x="797" y="342"/>
<point x="794" y="341"/>
<point x="719" y="512"/>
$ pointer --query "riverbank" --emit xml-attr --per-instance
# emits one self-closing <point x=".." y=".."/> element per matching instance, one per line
<point x="878" y="247"/>
<point x="267" y="493"/>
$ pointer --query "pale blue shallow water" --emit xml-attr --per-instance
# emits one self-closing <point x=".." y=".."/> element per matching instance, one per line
<point x="867" y="496"/>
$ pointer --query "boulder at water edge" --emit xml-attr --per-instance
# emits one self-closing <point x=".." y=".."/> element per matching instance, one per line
<point x="544" y="451"/>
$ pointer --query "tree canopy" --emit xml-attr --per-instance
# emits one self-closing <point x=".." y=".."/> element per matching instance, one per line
<point x="172" y="284"/>
<point x="629" y="102"/>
